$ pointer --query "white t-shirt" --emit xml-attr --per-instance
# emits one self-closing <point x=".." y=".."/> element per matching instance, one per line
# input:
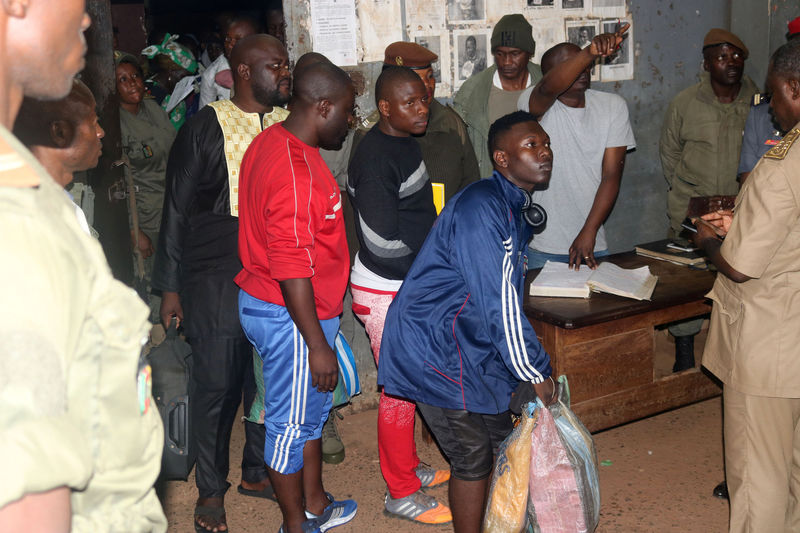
<point x="210" y="90"/>
<point x="578" y="138"/>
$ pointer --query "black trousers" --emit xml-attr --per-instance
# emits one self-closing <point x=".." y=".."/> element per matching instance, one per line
<point x="222" y="377"/>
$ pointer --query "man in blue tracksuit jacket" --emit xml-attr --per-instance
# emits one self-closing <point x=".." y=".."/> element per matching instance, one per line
<point x="456" y="339"/>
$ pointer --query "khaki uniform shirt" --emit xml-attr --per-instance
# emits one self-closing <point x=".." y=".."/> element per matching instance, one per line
<point x="146" y="140"/>
<point x="753" y="345"/>
<point x="700" y="143"/>
<point x="75" y="408"/>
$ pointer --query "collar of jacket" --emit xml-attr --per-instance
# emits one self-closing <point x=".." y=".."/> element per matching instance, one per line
<point x="514" y="195"/>
<point x="705" y="93"/>
<point x="475" y="100"/>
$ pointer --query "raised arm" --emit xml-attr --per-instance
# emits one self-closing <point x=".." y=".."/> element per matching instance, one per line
<point x="559" y="78"/>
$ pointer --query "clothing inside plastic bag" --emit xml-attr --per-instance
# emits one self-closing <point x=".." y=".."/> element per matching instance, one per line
<point x="506" y="509"/>
<point x="563" y="490"/>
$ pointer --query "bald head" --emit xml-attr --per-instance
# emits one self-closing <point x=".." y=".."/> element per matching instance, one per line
<point x="53" y="123"/>
<point x="320" y="81"/>
<point x="252" y="47"/>
<point x="311" y="58"/>
<point x="390" y="78"/>
<point x="322" y="105"/>
<point x="261" y="76"/>
<point x="558" y="54"/>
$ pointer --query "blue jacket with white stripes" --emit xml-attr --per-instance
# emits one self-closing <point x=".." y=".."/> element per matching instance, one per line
<point x="455" y="335"/>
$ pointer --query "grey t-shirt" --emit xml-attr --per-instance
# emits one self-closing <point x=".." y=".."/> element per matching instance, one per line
<point x="502" y="102"/>
<point x="578" y="138"/>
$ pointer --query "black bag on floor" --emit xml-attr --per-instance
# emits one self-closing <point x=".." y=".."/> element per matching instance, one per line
<point x="171" y="365"/>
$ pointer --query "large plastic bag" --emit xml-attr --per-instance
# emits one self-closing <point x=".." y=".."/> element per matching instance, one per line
<point x="545" y="477"/>
<point x="564" y="484"/>
<point x="506" y="510"/>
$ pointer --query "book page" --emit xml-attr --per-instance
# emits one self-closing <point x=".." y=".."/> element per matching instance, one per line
<point x="636" y="283"/>
<point x="557" y="279"/>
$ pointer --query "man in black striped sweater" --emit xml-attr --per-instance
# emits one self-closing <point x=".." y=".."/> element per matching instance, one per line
<point x="392" y="201"/>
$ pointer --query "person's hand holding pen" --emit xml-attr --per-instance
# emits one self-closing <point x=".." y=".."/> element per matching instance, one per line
<point x="721" y="219"/>
<point x="711" y="226"/>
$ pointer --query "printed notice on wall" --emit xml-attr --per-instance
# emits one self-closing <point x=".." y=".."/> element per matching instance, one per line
<point x="333" y="30"/>
<point x="381" y="25"/>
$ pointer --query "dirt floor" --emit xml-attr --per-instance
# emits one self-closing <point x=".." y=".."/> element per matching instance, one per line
<point x="657" y="477"/>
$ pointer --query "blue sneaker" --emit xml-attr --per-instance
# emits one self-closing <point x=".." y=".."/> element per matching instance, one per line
<point x="336" y="514"/>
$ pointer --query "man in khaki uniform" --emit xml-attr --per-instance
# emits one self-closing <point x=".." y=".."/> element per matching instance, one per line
<point x="80" y="442"/>
<point x="754" y="341"/>
<point x="700" y="143"/>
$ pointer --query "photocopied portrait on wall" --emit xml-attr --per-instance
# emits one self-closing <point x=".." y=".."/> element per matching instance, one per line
<point x="466" y="10"/>
<point x="620" y="65"/>
<point x="581" y="33"/>
<point x="471" y="54"/>
<point x="541" y="3"/>
<point x="441" y="67"/>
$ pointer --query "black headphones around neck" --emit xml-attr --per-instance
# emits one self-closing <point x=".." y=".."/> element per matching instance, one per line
<point x="533" y="213"/>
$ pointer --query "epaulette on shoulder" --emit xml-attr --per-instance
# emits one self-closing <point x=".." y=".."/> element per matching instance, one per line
<point x="759" y="98"/>
<point x="367" y="123"/>
<point x="780" y="150"/>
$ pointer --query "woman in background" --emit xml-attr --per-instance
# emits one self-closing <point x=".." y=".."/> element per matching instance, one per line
<point x="147" y="136"/>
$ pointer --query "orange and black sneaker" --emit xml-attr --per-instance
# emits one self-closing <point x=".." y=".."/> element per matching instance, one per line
<point x="418" y="507"/>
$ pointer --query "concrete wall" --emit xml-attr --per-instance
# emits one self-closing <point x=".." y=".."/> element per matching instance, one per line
<point x="668" y="37"/>
<point x="762" y="26"/>
<point x="668" y="58"/>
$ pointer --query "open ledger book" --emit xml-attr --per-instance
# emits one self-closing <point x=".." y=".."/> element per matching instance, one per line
<point x="556" y="279"/>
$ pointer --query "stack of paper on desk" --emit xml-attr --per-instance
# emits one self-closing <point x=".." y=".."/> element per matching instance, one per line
<point x="663" y="251"/>
<point x="556" y="279"/>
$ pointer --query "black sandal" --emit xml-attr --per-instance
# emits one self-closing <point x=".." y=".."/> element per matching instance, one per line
<point x="268" y="493"/>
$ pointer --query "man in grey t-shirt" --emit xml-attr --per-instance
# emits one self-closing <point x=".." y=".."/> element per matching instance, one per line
<point x="590" y="135"/>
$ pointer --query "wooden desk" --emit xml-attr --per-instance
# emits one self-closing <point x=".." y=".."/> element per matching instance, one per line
<point x="605" y="344"/>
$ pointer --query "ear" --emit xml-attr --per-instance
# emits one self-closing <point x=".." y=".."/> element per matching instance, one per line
<point x="16" y="8"/>
<point x="794" y="87"/>
<point x="324" y="107"/>
<point x="243" y="71"/>
<point x="383" y="107"/>
<point x="705" y="64"/>
<point x="500" y="158"/>
<point x="61" y="133"/>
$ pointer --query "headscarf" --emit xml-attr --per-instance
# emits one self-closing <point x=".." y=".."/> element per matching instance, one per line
<point x="179" y="54"/>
